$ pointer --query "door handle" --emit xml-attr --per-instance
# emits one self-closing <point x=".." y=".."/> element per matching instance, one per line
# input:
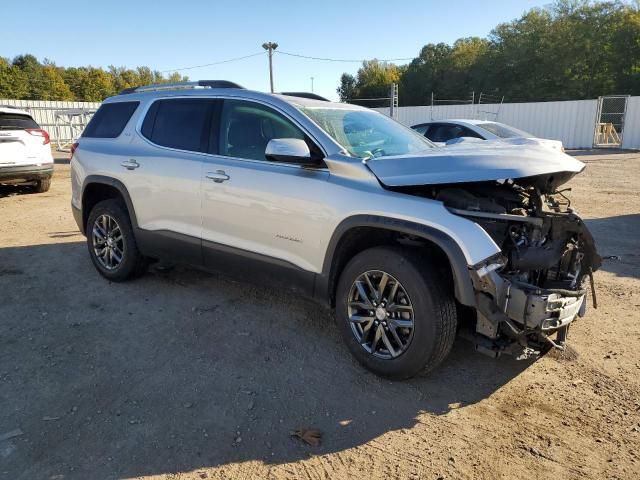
<point x="130" y="164"/>
<point x="218" y="176"/>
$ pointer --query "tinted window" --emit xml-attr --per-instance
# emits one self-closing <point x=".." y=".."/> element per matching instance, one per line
<point x="467" y="132"/>
<point x="421" y="129"/>
<point x="110" y="120"/>
<point x="247" y="127"/>
<point x="443" y="132"/>
<point x="15" y="121"/>
<point x="179" y="123"/>
<point x="439" y="132"/>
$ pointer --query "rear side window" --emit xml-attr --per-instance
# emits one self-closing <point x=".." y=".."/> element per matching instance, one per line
<point x="16" y="121"/>
<point x="110" y="120"/>
<point x="182" y="123"/>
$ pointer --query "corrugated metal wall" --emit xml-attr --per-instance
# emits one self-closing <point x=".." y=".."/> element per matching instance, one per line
<point x="44" y="112"/>
<point x="631" y="136"/>
<point x="573" y="122"/>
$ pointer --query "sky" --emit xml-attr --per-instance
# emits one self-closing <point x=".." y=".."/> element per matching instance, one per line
<point x="166" y="35"/>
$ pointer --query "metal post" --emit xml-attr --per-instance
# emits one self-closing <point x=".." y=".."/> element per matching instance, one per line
<point x="393" y="97"/>
<point x="311" y="84"/>
<point x="431" y="105"/>
<point x="270" y="47"/>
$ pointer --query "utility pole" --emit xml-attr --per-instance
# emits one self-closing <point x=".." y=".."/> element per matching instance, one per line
<point x="311" y="84"/>
<point x="270" y="47"/>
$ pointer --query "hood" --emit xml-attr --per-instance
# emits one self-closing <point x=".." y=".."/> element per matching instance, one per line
<point x="477" y="163"/>
<point x="557" y="144"/>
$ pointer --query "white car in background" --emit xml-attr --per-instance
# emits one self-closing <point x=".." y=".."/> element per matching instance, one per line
<point x="452" y="132"/>
<point x="25" y="151"/>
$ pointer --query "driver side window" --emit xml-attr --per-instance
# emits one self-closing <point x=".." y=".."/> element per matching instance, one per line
<point x="246" y="128"/>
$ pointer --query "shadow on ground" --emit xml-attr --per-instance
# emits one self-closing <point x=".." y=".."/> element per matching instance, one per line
<point x="598" y="152"/>
<point x="620" y="235"/>
<point x="182" y="370"/>
<point x="11" y="190"/>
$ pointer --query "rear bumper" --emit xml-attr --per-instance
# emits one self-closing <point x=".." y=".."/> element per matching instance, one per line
<point x="25" y="173"/>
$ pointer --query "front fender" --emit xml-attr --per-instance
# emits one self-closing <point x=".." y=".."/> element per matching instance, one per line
<point x="464" y="291"/>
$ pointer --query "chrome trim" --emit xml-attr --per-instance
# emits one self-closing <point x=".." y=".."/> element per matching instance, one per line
<point x="218" y="176"/>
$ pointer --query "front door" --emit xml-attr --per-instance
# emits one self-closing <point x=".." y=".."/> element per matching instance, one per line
<point x="260" y="218"/>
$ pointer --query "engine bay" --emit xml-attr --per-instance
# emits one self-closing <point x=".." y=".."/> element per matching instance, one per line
<point x="547" y="255"/>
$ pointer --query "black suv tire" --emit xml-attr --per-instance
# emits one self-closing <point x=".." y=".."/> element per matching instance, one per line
<point x="433" y="310"/>
<point x="42" y="185"/>
<point x="132" y="263"/>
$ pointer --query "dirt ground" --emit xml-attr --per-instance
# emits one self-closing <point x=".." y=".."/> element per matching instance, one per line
<point x="183" y="375"/>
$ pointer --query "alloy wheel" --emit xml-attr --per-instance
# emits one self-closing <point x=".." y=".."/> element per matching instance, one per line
<point x="108" y="242"/>
<point x="380" y="314"/>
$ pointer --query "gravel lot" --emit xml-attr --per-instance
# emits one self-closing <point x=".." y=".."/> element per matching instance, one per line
<point x="185" y="375"/>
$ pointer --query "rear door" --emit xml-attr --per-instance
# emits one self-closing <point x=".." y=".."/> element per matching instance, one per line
<point x="21" y="140"/>
<point x="158" y="159"/>
<point x="166" y="188"/>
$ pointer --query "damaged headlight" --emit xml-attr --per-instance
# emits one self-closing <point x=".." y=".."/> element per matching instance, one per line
<point x="494" y="262"/>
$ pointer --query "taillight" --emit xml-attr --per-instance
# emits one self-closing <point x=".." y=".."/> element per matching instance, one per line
<point x="38" y="132"/>
<point x="73" y="149"/>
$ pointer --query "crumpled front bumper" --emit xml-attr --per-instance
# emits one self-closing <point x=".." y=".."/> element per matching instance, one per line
<point x="543" y="310"/>
<point x="519" y="308"/>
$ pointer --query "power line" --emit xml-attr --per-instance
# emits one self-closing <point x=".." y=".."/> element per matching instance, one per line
<point x="344" y="60"/>
<point x="214" y="63"/>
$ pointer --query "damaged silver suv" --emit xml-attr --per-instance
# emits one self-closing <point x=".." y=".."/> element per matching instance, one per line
<point x="410" y="244"/>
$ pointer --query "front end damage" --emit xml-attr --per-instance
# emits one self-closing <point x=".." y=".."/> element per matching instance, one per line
<point x="529" y="293"/>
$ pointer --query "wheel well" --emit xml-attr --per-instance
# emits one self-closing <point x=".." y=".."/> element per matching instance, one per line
<point x="359" y="239"/>
<point x="94" y="193"/>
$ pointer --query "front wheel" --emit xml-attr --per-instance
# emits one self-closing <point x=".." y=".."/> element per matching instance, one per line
<point x="112" y="245"/>
<point x="394" y="312"/>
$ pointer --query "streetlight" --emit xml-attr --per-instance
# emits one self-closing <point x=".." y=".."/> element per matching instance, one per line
<point x="270" y="47"/>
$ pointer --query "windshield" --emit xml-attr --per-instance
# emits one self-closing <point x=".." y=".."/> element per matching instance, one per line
<point x="365" y="133"/>
<point x="504" y="131"/>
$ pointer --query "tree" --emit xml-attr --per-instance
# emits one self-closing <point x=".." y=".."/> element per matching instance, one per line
<point x="25" y="78"/>
<point x="13" y="81"/>
<point x="347" y="89"/>
<point x="373" y="80"/>
<point x="573" y="49"/>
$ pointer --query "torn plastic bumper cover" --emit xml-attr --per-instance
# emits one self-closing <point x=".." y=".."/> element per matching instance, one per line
<point x="524" y="313"/>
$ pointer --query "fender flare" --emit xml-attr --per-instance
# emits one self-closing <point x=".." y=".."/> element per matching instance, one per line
<point x="463" y="286"/>
<point x="118" y="185"/>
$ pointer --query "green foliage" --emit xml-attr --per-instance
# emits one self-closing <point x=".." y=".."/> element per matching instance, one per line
<point x="374" y="80"/>
<point x="25" y="78"/>
<point x="573" y="49"/>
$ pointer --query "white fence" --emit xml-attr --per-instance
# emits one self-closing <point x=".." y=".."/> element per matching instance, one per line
<point x="573" y="122"/>
<point x="63" y="120"/>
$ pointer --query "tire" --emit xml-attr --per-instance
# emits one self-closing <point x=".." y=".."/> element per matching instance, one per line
<point x="132" y="264"/>
<point x="42" y="186"/>
<point x="433" y="312"/>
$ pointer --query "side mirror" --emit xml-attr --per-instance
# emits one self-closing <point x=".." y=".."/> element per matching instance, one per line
<point x="290" y="150"/>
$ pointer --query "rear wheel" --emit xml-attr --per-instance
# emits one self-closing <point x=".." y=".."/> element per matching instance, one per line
<point x="394" y="313"/>
<point x="42" y="185"/>
<point x="112" y="245"/>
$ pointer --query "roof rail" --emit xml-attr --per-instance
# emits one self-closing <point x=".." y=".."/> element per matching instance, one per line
<point x="312" y="96"/>
<point x="178" y="85"/>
